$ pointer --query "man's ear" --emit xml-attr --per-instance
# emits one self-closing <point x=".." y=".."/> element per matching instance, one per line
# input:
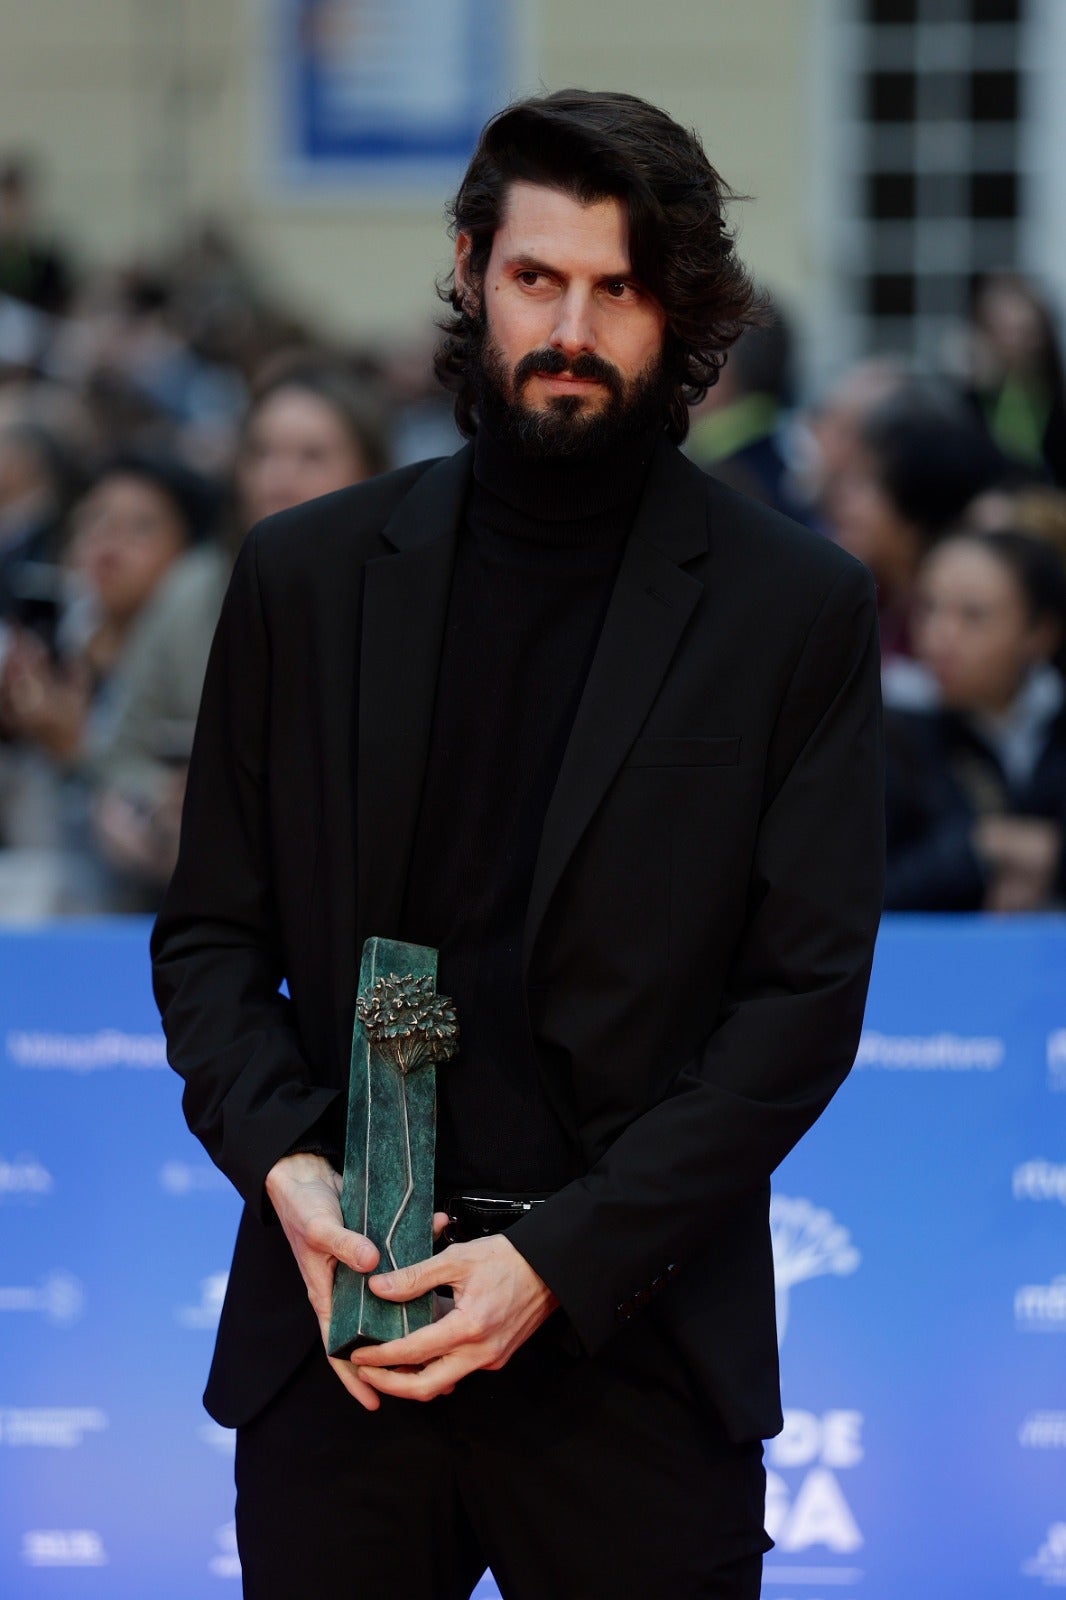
<point x="463" y="285"/>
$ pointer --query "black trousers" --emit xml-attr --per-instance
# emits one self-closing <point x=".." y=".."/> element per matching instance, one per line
<point x="574" y="1478"/>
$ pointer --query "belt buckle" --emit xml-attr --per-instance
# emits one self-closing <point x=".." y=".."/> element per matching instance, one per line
<point x="479" y="1216"/>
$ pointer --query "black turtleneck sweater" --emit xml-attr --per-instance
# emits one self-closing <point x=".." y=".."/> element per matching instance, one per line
<point x="538" y="552"/>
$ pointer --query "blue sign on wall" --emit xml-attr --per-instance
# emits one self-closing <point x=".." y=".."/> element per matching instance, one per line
<point x="920" y="1245"/>
<point x="387" y="94"/>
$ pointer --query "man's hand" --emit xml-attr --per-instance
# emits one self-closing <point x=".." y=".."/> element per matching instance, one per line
<point x="305" y="1192"/>
<point x="1022" y="854"/>
<point x="499" y="1302"/>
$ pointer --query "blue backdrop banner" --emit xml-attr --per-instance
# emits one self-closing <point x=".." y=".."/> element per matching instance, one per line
<point x="920" y="1247"/>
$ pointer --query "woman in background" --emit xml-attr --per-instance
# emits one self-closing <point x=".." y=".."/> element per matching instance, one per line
<point x="1016" y="375"/>
<point x="919" y="459"/>
<point x="976" y="788"/>
<point x="312" y="426"/>
<point x="131" y="546"/>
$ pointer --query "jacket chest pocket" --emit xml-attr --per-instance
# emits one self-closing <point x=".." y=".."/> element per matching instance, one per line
<point x="685" y="752"/>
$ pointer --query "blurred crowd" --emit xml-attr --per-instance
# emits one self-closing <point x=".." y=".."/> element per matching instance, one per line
<point x="151" y="413"/>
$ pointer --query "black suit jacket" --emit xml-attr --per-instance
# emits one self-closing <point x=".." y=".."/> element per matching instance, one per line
<point x="700" y="926"/>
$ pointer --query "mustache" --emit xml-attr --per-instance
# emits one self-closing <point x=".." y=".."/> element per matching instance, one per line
<point x="554" y="363"/>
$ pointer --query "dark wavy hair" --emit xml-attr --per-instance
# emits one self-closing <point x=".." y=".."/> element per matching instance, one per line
<point x="596" y="146"/>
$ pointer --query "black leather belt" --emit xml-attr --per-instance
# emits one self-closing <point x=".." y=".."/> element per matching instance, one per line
<point x="476" y="1216"/>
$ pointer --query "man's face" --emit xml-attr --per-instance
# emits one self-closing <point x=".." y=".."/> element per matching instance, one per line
<point x="571" y="357"/>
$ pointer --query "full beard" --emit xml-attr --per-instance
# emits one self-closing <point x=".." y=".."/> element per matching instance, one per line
<point x="567" y="427"/>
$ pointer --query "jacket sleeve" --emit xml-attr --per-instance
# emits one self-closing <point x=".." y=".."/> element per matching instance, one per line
<point x="217" y="969"/>
<point x="790" y="1023"/>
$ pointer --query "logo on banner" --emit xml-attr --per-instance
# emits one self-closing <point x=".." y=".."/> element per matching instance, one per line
<point x="817" y="1514"/>
<point x="225" y="1563"/>
<point x="60" y="1298"/>
<point x="1043" y="1430"/>
<point x="206" y="1312"/>
<point x="1049" y="1562"/>
<point x="25" y="1178"/>
<point x="934" y="1052"/>
<point x="50" y="1427"/>
<point x="807" y="1242"/>
<point x="1056" y="1059"/>
<point x="184" y="1177"/>
<point x="1041" y="1307"/>
<point x="1039" y="1180"/>
<point x="86" y="1052"/>
<point x="63" y="1547"/>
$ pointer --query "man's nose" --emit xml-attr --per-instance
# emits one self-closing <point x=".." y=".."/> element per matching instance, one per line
<point x="574" y="329"/>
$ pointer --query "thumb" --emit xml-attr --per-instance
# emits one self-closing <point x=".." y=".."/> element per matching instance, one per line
<point x="355" y="1250"/>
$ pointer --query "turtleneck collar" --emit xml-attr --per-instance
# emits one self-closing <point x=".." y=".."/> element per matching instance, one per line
<point x="575" y="503"/>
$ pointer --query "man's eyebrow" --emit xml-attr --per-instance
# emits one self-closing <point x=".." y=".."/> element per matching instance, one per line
<point x="528" y="263"/>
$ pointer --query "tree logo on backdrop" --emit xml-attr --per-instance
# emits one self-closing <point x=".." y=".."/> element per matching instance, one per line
<point x="206" y="1312"/>
<point x="808" y="1242"/>
<point x="1049" y="1563"/>
<point x="225" y="1563"/>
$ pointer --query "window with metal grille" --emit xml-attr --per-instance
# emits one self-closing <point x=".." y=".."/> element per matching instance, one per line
<point x="940" y="88"/>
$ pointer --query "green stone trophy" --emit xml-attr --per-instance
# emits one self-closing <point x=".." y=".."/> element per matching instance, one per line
<point x="402" y="1029"/>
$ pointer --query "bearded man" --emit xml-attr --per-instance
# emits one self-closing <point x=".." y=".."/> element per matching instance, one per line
<point x="606" y="734"/>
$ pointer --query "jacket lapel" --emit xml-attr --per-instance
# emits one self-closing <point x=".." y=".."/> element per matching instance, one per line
<point x="651" y="603"/>
<point x="405" y="603"/>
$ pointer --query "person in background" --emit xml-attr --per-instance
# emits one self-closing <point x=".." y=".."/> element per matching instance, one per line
<point x="1016" y="373"/>
<point x="826" y="434"/>
<point x="976" y="792"/>
<point x="1035" y="508"/>
<point x="738" y="432"/>
<point x="919" y="461"/>
<point x="32" y="269"/>
<point x="131" y="534"/>
<point x="312" y="426"/>
<point x="35" y="476"/>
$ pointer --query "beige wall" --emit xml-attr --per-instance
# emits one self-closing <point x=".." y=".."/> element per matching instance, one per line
<point x="144" y="111"/>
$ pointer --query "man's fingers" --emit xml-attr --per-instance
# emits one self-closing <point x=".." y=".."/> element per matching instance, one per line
<point x="439" y="1377"/>
<point x="425" y="1344"/>
<point x="406" y="1283"/>
<point x="366" y="1396"/>
<point x="351" y="1380"/>
<point x="327" y="1237"/>
<point x="440" y="1222"/>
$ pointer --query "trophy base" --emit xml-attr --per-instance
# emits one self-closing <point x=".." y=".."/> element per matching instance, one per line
<point x="359" y="1317"/>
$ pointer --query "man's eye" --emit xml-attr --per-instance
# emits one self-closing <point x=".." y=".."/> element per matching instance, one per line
<point x="619" y="288"/>
<point x="529" y="277"/>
